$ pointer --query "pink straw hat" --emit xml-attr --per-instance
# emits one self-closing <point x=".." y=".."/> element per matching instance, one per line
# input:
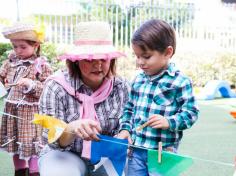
<point x="93" y="40"/>
<point x="24" y="31"/>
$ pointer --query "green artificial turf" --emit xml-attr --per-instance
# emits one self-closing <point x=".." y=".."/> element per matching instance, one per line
<point x="6" y="165"/>
<point x="212" y="138"/>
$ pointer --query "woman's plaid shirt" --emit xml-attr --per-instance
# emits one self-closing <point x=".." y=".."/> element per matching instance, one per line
<point x="55" y="101"/>
<point x="169" y="94"/>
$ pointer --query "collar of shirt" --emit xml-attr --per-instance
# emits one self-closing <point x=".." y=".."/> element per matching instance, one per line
<point x="17" y="61"/>
<point x="171" y="70"/>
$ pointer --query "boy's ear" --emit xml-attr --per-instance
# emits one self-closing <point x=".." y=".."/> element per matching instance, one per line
<point x="169" y="51"/>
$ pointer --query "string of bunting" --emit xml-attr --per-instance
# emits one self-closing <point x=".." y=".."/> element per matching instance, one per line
<point x="62" y="127"/>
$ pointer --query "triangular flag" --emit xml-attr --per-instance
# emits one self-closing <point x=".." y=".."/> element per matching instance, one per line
<point x="172" y="164"/>
<point x="113" y="148"/>
<point x="54" y="125"/>
<point x="3" y="91"/>
<point x="108" y="166"/>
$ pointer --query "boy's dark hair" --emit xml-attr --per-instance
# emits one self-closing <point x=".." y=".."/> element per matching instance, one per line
<point x="156" y="35"/>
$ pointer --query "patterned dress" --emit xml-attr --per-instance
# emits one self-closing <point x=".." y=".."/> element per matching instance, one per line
<point x="23" y="103"/>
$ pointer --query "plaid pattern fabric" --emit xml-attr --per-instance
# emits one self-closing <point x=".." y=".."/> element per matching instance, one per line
<point x="23" y="105"/>
<point x="55" y="101"/>
<point x="168" y="94"/>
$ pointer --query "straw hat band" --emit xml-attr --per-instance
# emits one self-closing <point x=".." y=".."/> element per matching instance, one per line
<point x="92" y="42"/>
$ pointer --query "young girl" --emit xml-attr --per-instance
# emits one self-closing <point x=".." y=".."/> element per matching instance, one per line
<point x="23" y="75"/>
<point x="161" y="100"/>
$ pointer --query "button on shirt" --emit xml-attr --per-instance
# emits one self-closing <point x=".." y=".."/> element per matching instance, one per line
<point x="168" y="94"/>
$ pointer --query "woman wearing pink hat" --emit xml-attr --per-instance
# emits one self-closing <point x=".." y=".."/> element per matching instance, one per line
<point x="88" y="96"/>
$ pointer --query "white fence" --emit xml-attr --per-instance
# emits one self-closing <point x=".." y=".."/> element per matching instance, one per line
<point x="208" y="25"/>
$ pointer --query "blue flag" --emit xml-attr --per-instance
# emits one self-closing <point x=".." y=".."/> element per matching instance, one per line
<point x="112" y="148"/>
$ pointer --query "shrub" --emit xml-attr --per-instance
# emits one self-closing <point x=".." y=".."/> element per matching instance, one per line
<point x="4" y="47"/>
<point x="205" y="67"/>
<point x="48" y="50"/>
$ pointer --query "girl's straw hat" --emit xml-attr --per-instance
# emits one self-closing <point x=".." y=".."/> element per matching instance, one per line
<point x="24" y="31"/>
<point x="93" y="40"/>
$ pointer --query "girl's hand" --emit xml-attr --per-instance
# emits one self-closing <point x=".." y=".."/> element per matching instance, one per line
<point x="25" y="82"/>
<point x="85" y="129"/>
<point x="124" y="134"/>
<point x="158" y="121"/>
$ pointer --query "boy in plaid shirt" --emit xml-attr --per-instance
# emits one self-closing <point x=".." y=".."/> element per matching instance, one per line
<point x="161" y="97"/>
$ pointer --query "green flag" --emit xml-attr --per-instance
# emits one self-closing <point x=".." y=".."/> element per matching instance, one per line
<point x="172" y="164"/>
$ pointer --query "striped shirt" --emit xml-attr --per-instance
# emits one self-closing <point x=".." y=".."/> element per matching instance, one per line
<point x="55" y="101"/>
<point x="168" y="94"/>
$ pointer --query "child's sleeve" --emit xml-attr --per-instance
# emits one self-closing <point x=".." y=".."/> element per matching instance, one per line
<point x="125" y="120"/>
<point x="38" y="84"/>
<point x="187" y="111"/>
<point x="4" y="70"/>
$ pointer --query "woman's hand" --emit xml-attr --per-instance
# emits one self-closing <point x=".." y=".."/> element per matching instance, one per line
<point x="85" y="129"/>
<point x="158" y="121"/>
<point x="124" y="134"/>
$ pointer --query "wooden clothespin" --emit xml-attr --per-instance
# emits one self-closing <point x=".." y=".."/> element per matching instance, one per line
<point x="139" y="128"/>
<point x="159" y="151"/>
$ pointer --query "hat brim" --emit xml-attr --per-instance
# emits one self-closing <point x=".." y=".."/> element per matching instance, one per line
<point x="23" y="35"/>
<point x="90" y="52"/>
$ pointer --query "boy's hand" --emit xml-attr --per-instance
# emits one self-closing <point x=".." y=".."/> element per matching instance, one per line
<point x="124" y="134"/>
<point x="158" y="121"/>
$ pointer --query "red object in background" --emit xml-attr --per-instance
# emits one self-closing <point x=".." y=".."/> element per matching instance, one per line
<point x="233" y="113"/>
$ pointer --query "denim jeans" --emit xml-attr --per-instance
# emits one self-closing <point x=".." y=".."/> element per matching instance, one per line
<point x="137" y="163"/>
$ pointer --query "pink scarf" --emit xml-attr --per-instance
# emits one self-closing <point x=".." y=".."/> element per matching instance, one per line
<point x="87" y="110"/>
<point x="38" y="63"/>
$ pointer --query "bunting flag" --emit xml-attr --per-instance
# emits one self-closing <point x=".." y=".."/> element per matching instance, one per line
<point x="54" y="125"/>
<point x="113" y="149"/>
<point x="3" y="90"/>
<point x="111" y="152"/>
<point x="172" y="164"/>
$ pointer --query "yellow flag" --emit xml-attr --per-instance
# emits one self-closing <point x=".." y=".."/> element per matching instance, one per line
<point x="54" y="125"/>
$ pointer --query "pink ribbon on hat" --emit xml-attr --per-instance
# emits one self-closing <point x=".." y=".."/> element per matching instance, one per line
<point x="87" y="109"/>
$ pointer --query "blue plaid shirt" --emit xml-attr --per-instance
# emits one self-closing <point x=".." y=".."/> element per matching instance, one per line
<point x="169" y="94"/>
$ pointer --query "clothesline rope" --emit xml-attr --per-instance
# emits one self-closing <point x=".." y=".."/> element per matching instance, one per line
<point x="134" y="146"/>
